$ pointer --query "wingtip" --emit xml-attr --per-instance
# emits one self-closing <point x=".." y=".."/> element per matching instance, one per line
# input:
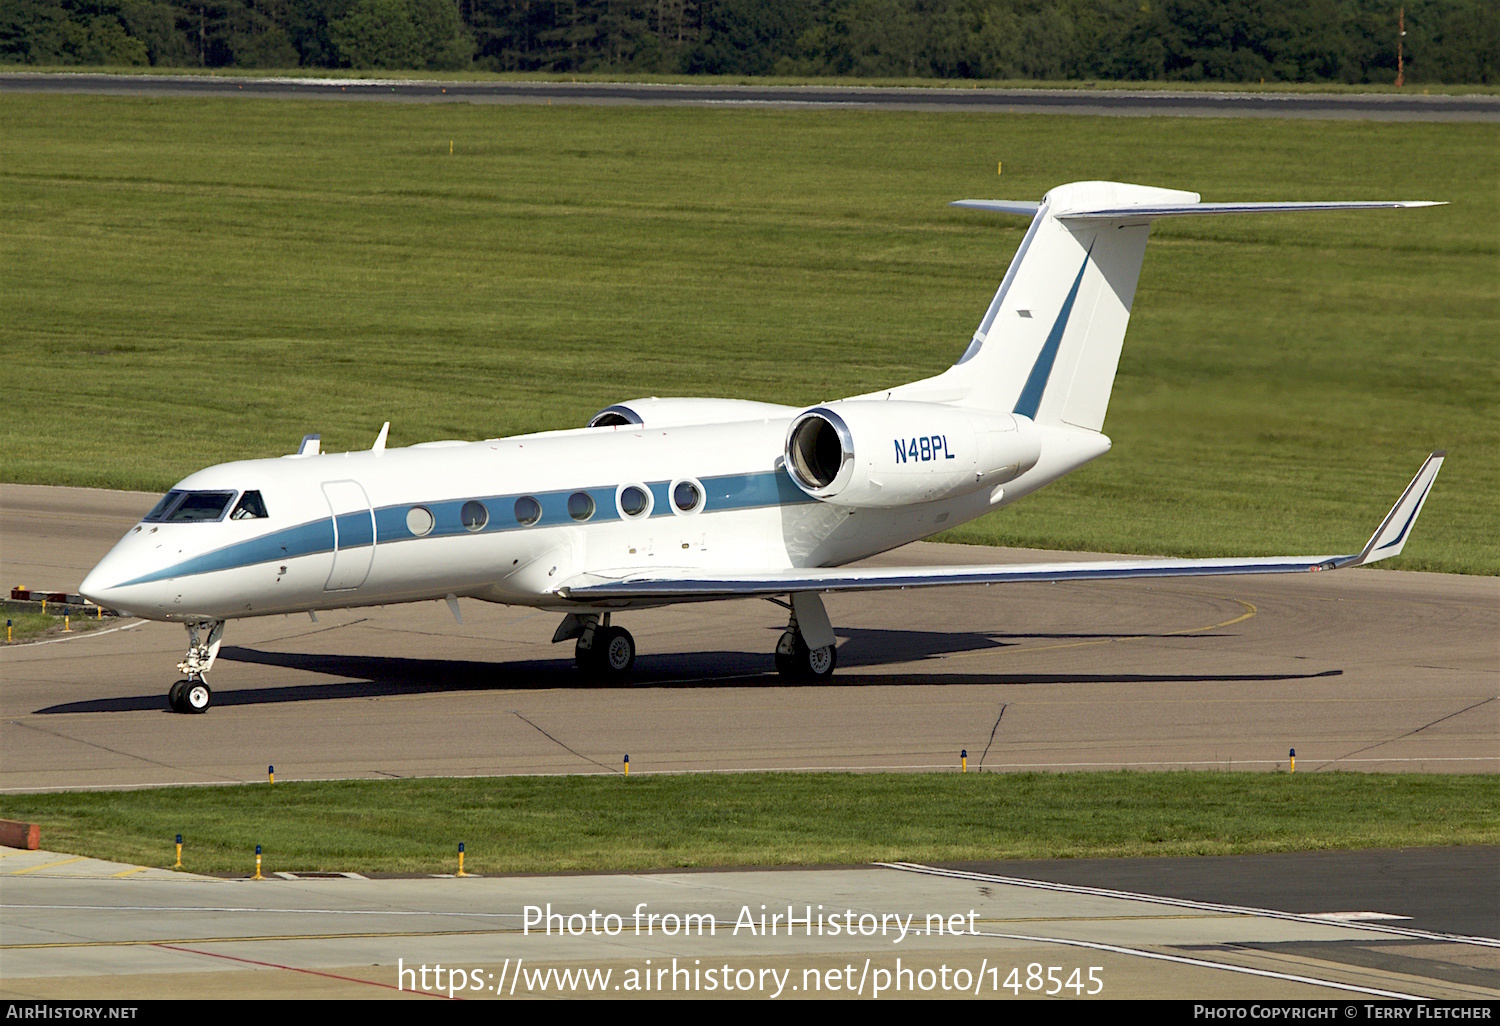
<point x="1438" y="454"/>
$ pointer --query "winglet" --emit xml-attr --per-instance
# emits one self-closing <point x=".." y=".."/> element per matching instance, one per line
<point x="310" y="446"/>
<point x="1390" y="537"/>
<point x="379" y="445"/>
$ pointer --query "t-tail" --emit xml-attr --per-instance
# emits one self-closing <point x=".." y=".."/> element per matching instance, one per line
<point x="1048" y="346"/>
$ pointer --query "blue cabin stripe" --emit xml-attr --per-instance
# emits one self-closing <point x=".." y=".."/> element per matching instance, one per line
<point x="724" y="493"/>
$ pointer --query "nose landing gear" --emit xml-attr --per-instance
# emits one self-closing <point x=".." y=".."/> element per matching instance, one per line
<point x="192" y="694"/>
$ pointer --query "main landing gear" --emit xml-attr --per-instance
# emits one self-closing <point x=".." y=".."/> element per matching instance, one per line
<point x="192" y="694"/>
<point x="602" y="650"/>
<point x="807" y="650"/>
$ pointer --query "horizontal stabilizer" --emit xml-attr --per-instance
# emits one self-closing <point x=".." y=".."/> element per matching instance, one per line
<point x="1000" y="206"/>
<point x="1194" y="209"/>
<point x="1152" y="211"/>
<point x="694" y="585"/>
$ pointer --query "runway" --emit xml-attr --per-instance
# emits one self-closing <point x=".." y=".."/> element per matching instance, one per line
<point x="1406" y="106"/>
<point x="81" y="928"/>
<point x="1360" y="670"/>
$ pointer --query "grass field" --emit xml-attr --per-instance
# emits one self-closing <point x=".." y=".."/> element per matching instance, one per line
<point x="189" y="281"/>
<point x="552" y="824"/>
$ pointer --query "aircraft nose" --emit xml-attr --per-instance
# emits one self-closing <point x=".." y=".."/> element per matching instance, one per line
<point x="95" y="590"/>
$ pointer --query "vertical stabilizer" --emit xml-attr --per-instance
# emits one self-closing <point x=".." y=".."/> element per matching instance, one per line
<point x="1050" y="341"/>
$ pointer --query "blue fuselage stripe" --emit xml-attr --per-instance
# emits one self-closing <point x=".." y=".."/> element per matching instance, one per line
<point x="722" y="494"/>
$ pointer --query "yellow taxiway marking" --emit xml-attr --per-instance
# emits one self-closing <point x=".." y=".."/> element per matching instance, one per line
<point x="1250" y="611"/>
<point x="47" y="865"/>
<point x="129" y="872"/>
<point x="509" y="930"/>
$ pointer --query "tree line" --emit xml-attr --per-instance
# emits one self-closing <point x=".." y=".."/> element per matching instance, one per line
<point x="1351" y="41"/>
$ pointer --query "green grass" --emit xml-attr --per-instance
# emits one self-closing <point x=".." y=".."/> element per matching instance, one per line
<point x="31" y="626"/>
<point x="552" y="824"/>
<point x="184" y="282"/>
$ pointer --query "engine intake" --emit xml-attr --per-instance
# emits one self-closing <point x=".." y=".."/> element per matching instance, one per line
<point x="819" y="447"/>
<point x="879" y="453"/>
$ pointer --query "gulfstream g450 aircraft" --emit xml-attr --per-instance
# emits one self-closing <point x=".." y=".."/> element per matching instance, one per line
<point x="660" y="501"/>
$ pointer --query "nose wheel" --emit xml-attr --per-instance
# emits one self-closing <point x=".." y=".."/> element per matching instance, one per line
<point x="190" y="696"/>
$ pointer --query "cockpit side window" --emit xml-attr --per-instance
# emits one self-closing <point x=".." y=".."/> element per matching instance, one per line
<point x="164" y="506"/>
<point x="251" y="507"/>
<point x="199" y="506"/>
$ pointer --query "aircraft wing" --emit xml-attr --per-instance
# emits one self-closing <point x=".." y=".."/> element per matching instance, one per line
<point x="685" y="585"/>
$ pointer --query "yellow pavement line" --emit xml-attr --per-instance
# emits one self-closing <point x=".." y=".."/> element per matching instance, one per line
<point x="129" y="872"/>
<point x="46" y="865"/>
<point x="1249" y="607"/>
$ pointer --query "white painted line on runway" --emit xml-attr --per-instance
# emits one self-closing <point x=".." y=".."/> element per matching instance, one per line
<point x="902" y="768"/>
<point x="1204" y="906"/>
<point x="295" y="911"/>
<point x="1228" y="967"/>
<point x="80" y="636"/>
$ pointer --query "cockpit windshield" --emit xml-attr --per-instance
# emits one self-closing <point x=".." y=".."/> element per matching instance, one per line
<point x="178" y="507"/>
<point x="250" y="507"/>
<point x="160" y="509"/>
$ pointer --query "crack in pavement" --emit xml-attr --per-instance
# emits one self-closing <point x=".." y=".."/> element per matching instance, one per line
<point x="555" y="741"/>
<point x="991" y="741"/>
<point x="106" y="748"/>
<point x="1409" y="733"/>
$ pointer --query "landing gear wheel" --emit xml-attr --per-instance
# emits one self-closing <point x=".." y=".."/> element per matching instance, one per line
<point x="616" y="650"/>
<point x="175" y="696"/>
<point x="611" y="655"/>
<point x="796" y="661"/>
<point x="196" y="697"/>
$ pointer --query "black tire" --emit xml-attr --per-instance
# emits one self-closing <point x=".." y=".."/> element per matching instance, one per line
<point x="196" y="697"/>
<point x="586" y="658"/>
<point x="614" y="650"/>
<point x="803" y="663"/>
<point x="175" y="700"/>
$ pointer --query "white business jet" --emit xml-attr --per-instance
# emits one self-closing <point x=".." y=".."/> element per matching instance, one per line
<point x="659" y="501"/>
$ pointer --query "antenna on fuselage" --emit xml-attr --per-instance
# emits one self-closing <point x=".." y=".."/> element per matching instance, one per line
<point x="311" y="444"/>
<point x="379" y="445"/>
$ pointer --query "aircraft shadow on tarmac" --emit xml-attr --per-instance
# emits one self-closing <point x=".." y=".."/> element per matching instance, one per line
<point x="384" y="676"/>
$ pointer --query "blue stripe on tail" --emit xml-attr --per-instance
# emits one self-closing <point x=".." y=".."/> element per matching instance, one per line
<point x="1036" y="382"/>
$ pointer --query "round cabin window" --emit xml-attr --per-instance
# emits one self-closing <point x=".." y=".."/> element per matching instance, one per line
<point x="419" y="520"/>
<point x="528" y="511"/>
<point x="687" y="496"/>
<point x="474" y="516"/>
<point x="580" y="506"/>
<point x="634" y="501"/>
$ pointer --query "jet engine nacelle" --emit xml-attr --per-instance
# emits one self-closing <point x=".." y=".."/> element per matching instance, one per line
<point x="877" y="453"/>
<point x="669" y="413"/>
